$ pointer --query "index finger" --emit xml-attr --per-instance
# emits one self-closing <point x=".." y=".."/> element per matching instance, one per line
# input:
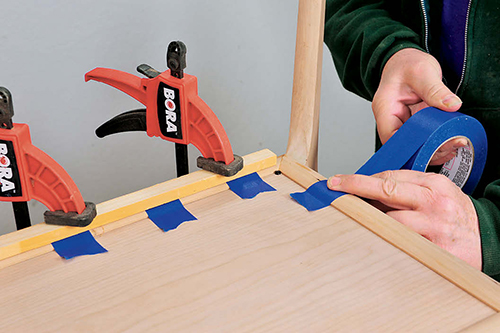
<point x="388" y="190"/>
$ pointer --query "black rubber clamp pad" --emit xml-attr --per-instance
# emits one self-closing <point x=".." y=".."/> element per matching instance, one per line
<point x="72" y="219"/>
<point x="221" y="168"/>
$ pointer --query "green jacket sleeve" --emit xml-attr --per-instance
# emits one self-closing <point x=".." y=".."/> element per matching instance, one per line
<point x="362" y="35"/>
<point x="488" y="212"/>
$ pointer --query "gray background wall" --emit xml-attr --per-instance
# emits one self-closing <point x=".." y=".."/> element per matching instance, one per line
<point x="241" y="51"/>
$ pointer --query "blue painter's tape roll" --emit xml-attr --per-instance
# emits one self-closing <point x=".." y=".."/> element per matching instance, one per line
<point x="414" y="144"/>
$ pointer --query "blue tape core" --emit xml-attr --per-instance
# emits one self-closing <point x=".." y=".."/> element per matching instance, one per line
<point x="412" y="147"/>
<point x="249" y="186"/>
<point x="78" y="245"/>
<point x="170" y="215"/>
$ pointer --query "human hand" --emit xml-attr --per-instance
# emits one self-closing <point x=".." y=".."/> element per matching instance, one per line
<point x="428" y="203"/>
<point x="412" y="80"/>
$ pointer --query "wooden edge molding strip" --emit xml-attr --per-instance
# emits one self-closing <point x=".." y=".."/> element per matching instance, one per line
<point x="490" y="324"/>
<point x="129" y="208"/>
<point x="440" y="261"/>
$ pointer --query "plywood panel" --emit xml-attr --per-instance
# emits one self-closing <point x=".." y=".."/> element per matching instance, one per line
<point x="128" y="207"/>
<point x="440" y="261"/>
<point x="246" y="265"/>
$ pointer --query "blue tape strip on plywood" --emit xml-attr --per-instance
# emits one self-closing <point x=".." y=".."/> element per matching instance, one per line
<point x="247" y="187"/>
<point x="170" y="215"/>
<point x="317" y="196"/>
<point x="78" y="245"/>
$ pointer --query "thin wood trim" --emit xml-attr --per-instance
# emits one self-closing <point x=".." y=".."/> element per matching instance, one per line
<point x="490" y="324"/>
<point x="131" y="206"/>
<point x="304" y="120"/>
<point x="440" y="261"/>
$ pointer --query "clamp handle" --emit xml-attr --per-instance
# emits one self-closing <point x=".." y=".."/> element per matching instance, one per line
<point x="27" y="172"/>
<point x="49" y="183"/>
<point x="207" y="133"/>
<point x="130" y="84"/>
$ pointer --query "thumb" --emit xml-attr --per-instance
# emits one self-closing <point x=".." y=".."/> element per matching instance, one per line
<point x="436" y="94"/>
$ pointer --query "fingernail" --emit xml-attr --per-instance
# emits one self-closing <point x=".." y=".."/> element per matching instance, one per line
<point x="334" y="181"/>
<point x="451" y="101"/>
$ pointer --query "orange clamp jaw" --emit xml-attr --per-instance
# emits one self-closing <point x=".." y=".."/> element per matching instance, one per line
<point x="174" y="111"/>
<point x="28" y="173"/>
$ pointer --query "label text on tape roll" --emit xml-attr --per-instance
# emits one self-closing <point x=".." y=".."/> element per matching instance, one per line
<point x="458" y="168"/>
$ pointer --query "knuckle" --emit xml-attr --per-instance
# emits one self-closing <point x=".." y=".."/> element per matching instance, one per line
<point x="376" y="103"/>
<point x="379" y="103"/>
<point x="447" y="206"/>
<point x="432" y="195"/>
<point x="430" y="198"/>
<point x="389" y="187"/>
<point x="437" y="179"/>
<point x="387" y="174"/>
<point x="419" y="68"/>
<point x="423" y="66"/>
<point x="446" y="234"/>
<point x="435" y="90"/>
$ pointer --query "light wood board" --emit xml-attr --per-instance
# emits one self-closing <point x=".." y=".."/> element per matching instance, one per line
<point x="442" y="262"/>
<point x="306" y="96"/>
<point x="259" y="265"/>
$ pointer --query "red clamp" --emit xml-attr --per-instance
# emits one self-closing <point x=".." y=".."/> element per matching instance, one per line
<point x="26" y="173"/>
<point x="174" y="111"/>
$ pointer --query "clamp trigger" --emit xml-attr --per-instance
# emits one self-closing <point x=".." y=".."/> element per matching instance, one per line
<point x="129" y="121"/>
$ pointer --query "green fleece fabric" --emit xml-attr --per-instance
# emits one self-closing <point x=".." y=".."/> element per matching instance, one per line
<point x="363" y="34"/>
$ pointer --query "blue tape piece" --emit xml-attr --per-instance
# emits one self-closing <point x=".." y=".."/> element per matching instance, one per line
<point x="170" y="215"/>
<point x="412" y="147"/>
<point x="78" y="245"/>
<point x="317" y="196"/>
<point x="249" y="186"/>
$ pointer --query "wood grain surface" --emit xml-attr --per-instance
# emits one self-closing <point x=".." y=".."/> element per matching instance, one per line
<point x="260" y="265"/>
<point x="127" y="208"/>
<point x="440" y="261"/>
